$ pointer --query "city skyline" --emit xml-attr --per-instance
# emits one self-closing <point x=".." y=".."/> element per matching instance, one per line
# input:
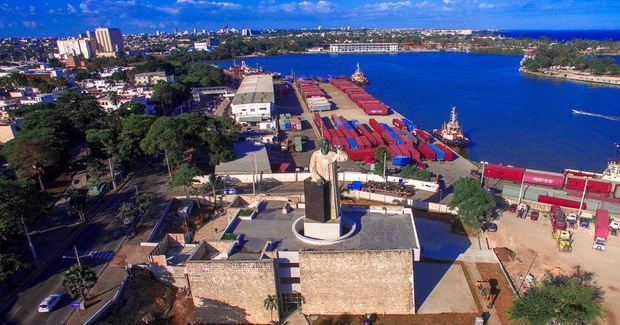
<point x="33" y="18"/>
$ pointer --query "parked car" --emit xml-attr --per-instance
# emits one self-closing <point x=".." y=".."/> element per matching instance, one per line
<point x="230" y="191"/>
<point x="534" y="215"/>
<point x="49" y="303"/>
<point x="585" y="223"/>
<point x="489" y="226"/>
<point x="512" y="208"/>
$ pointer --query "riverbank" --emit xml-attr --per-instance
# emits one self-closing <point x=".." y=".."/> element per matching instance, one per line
<point x="573" y="76"/>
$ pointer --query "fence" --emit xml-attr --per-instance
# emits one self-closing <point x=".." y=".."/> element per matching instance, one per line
<point x="388" y="199"/>
<point x="342" y="176"/>
<point x="108" y="304"/>
<point x="159" y="221"/>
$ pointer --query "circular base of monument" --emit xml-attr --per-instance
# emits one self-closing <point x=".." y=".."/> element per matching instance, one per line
<point x="298" y="226"/>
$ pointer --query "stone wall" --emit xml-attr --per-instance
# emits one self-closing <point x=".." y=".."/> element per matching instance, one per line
<point x="357" y="282"/>
<point x="231" y="291"/>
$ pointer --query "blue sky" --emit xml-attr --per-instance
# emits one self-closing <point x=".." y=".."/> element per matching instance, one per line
<point x="69" y="17"/>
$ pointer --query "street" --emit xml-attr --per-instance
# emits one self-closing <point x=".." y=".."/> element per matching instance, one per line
<point x="103" y="233"/>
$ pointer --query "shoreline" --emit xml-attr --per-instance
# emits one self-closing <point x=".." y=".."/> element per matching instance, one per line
<point x="573" y="76"/>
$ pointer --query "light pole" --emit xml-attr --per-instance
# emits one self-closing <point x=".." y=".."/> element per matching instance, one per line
<point x="32" y="250"/>
<point x="39" y="169"/>
<point x="482" y="175"/>
<point x="112" y="173"/>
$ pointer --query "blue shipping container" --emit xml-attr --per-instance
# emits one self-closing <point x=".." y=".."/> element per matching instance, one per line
<point x="355" y="123"/>
<point x="347" y="125"/>
<point x="352" y="143"/>
<point x="440" y="154"/>
<point x="398" y="139"/>
<point x="410" y="126"/>
<point x="401" y="161"/>
<point x="355" y="186"/>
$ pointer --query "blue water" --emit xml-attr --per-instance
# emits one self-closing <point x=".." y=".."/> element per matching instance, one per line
<point x="511" y="118"/>
<point x="564" y="35"/>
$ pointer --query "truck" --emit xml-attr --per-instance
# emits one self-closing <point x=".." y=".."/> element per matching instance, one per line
<point x="601" y="231"/>
<point x="558" y="219"/>
<point x="565" y="240"/>
<point x="284" y="145"/>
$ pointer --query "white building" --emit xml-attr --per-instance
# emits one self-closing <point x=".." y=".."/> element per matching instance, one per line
<point x="363" y="47"/>
<point x="84" y="46"/>
<point x="40" y="98"/>
<point x="246" y="32"/>
<point x="152" y="78"/>
<point x="254" y="100"/>
<point x="109" y="41"/>
<point x="201" y="46"/>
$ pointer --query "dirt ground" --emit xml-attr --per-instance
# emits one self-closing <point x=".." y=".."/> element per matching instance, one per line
<point x="504" y="300"/>
<point x="429" y="319"/>
<point x="145" y="300"/>
<point x="533" y="245"/>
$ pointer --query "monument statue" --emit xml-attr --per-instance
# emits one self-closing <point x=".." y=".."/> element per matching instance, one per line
<point x="321" y="189"/>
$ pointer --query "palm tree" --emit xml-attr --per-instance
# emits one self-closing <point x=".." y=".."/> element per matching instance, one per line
<point x="113" y="97"/>
<point x="77" y="202"/>
<point x="271" y="303"/>
<point x="78" y="280"/>
<point x="213" y="182"/>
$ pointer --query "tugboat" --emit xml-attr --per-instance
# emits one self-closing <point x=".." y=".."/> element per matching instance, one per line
<point x="451" y="132"/>
<point x="358" y="77"/>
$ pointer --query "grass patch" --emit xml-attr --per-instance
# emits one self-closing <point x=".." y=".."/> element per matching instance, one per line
<point x="245" y="212"/>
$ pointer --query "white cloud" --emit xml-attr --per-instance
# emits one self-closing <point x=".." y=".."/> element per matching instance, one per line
<point x="71" y="9"/>
<point x="30" y="24"/>
<point x="424" y="4"/>
<point x="305" y="7"/>
<point x="447" y="2"/>
<point x="486" y="5"/>
<point x="386" y="6"/>
<point x="86" y="9"/>
<point x="212" y="4"/>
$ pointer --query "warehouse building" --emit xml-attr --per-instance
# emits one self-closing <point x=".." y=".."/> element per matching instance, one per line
<point x="363" y="47"/>
<point x="369" y="272"/>
<point x="254" y="100"/>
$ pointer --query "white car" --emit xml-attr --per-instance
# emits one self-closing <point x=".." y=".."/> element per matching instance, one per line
<point x="49" y="303"/>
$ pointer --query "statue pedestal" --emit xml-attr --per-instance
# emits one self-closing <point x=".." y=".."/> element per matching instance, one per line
<point x="322" y="230"/>
<point x="317" y="200"/>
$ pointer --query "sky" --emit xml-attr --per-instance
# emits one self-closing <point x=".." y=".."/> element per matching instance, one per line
<point x="61" y="18"/>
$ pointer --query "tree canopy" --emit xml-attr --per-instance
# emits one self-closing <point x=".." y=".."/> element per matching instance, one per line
<point x="19" y="200"/>
<point x="474" y="203"/>
<point x="184" y="176"/>
<point x="413" y="172"/>
<point x="570" y="299"/>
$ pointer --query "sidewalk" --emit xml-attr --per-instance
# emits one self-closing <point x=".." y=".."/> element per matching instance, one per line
<point x="111" y="277"/>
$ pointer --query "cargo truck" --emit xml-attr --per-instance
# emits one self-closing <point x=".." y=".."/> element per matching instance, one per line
<point x="601" y="231"/>
<point x="298" y="146"/>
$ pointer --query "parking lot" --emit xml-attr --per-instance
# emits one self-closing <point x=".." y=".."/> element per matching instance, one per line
<point x="532" y="242"/>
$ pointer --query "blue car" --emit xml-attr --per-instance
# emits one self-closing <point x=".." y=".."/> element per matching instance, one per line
<point x="489" y="226"/>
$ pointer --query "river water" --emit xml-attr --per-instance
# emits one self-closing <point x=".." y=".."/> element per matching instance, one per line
<point x="510" y="118"/>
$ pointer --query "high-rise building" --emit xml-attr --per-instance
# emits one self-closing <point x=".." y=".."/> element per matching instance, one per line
<point x="246" y="32"/>
<point x="109" y="40"/>
<point x="77" y="46"/>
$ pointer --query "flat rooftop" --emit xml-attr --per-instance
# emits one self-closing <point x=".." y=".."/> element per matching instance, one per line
<point x="255" y="89"/>
<point x="376" y="231"/>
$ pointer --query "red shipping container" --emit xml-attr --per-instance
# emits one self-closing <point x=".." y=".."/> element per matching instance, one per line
<point x="359" y="142"/>
<point x="556" y="181"/>
<point x="361" y="154"/>
<point x="426" y="151"/>
<point x="366" y="141"/>
<point x="350" y="91"/>
<point x="394" y="152"/>
<point x="344" y="143"/>
<point x="378" y="138"/>
<point x="403" y="150"/>
<point x="560" y="202"/>
<point x="596" y="186"/>
<point x="422" y="135"/>
<point x="602" y="223"/>
<point x="447" y="153"/>
<point x="375" y="125"/>
<point x="339" y="133"/>
<point x="415" y="155"/>
<point x="508" y="173"/>
<point x="399" y="124"/>
<point x="388" y="138"/>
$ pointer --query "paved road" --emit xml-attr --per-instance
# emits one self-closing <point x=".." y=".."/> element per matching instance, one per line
<point x="103" y="233"/>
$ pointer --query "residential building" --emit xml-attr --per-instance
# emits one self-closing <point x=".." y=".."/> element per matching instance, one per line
<point x="8" y="130"/>
<point x="246" y="32"/>
<point x="254" y="100"/>
<point x="152" y="78"/>
<point x="363" y="47"/>
<point x="109" y="41"/>
<point x="39" y="98"/>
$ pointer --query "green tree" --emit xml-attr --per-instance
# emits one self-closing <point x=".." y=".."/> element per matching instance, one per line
<point x="39" y="147"/>
<point x="19" y="200"/>
<point x="78" y="280"/>
<point x="203" y="75"/>
<point x="271" y="303"/>
<point x="413" y="172"/>
<point x="184" y="177"/>
<point x="81" y="110"/>
<point x="78" y="199"/>
<point x="168" y="96"/>
<point x="164" y="135"/>
<point x="9" y="265"/>
<point x="102" y="141"/>
<point x="127" y="212"/>
<point x="380" y="154"/>
<point x="474" y="204"/>
<point x="134" y="129"/>
<point x="81" y="74"/>
<point x="570" y="299"/>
